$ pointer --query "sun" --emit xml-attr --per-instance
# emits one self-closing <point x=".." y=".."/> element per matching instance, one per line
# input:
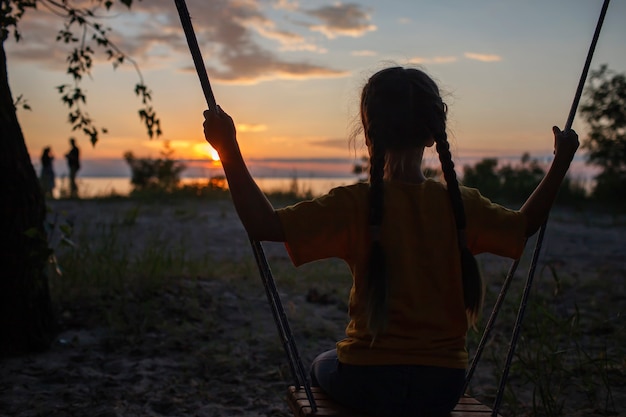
<point x="204" y="150"/>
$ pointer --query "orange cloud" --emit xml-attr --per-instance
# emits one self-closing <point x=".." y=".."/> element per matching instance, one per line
<point x="342" y="20"/>
<point x="267" y="71"/>
<point x="251" y="128"/>
<point x="482" y="57"/>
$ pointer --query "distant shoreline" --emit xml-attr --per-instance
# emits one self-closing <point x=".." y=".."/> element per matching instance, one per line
<point x="298" y="167"/>
<point x="89" y="187"/>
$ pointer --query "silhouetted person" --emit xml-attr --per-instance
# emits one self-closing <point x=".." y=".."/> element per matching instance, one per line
<point x="73" y="163"/>
<point x="47" y="172"/>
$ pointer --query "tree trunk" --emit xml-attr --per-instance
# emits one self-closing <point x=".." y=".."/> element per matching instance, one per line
<point x="26" y="319"/>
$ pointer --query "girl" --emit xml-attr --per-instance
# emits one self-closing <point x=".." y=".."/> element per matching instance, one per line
<point x="409" y="242"/>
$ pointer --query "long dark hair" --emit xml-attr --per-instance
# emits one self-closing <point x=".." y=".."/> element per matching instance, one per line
<point x="401" y="109"/>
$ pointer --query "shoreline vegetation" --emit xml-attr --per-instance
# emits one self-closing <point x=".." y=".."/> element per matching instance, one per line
<point x="505" y="178"/>
<point x="161" y="312"/>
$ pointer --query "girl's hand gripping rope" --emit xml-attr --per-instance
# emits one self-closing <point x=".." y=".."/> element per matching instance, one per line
<point x="565" y="143"/>
<point x="220" y="132"/>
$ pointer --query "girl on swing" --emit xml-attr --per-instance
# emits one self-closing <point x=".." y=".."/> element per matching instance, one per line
<point x="409" y="242"/>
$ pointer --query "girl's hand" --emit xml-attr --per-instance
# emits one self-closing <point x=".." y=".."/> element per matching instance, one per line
<point x="565" y="143"/>
<point x="219" y="130"/>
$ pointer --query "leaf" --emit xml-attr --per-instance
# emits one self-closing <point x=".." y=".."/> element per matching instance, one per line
<point x="83" y="29"/>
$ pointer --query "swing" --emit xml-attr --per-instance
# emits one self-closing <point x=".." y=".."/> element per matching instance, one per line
<point x="304" y="400"/>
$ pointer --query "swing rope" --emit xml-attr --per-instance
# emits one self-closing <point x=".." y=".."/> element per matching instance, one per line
<point x="536" y="252"/>
<point x="295" y="363"/>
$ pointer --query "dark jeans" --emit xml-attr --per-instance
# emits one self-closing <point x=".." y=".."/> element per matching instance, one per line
<point x="73" y="185"/>
<point x="390" y="390"/>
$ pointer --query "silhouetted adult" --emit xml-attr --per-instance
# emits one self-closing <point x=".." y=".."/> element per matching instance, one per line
<point x="73" y="163"/>
<point x="47" y="172"/>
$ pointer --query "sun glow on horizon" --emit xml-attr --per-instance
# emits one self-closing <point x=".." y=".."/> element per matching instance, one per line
<point x="214" y="155"/>
<point x="204" y="150"/>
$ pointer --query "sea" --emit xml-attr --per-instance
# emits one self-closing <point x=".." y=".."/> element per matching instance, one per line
<point x="314" y="176"/>
<point x="90" y="187"/>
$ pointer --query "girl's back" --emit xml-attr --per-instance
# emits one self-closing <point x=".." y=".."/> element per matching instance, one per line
<point x="427" y="322"/>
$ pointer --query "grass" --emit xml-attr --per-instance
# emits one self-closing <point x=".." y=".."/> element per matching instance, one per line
<point x="140" y="283"/>
<point x="563" y="353"/>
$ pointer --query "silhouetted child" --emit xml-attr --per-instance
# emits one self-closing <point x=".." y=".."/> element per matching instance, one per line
<point x="46" y="176"/>
<point x="73" y="164"/>
<point x="408" y="241"/>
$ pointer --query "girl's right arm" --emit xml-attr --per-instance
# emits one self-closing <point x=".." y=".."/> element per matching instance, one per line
<point x="538" y="205"/>
<point x="254" y="209"/>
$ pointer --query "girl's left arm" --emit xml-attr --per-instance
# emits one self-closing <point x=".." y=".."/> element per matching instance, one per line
<point x="254" y="209"/>
<point x="538" y="205"/>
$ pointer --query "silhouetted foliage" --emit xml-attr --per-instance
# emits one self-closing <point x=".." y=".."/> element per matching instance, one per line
<point x="503" y="184"/>
<point x="518" y="182"/>
<point x="160" y="174"/>
<point x="572" y="191"/>
<point x="514" y="183"/>
<point x="604" y="110"/>
<point x="83" y="32"/>
<point x="483" y="175"/>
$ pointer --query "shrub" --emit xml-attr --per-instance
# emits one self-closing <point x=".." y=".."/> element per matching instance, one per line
<point x="161" y="174"/>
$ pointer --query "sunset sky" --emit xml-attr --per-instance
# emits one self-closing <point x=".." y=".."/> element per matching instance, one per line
<point x="290" y="72"/>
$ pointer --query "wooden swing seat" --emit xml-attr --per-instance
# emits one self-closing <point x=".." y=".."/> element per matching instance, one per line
<point x="299" y="404"/>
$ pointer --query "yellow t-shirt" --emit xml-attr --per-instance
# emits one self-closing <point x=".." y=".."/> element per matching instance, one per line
<point x="427" y="320"/>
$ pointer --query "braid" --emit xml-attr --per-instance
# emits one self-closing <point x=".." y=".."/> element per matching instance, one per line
<point x="447" y="166"/>
<point x="472" y="281"/>
<point x="377" y="289"/>
<point x="401" y="111"/>
<point x="377" y="172"/>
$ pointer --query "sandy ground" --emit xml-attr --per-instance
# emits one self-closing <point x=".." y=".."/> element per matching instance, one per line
<point x="212" y="348"/>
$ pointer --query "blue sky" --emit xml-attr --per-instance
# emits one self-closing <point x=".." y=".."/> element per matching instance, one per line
<point x="290" y="72"/>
